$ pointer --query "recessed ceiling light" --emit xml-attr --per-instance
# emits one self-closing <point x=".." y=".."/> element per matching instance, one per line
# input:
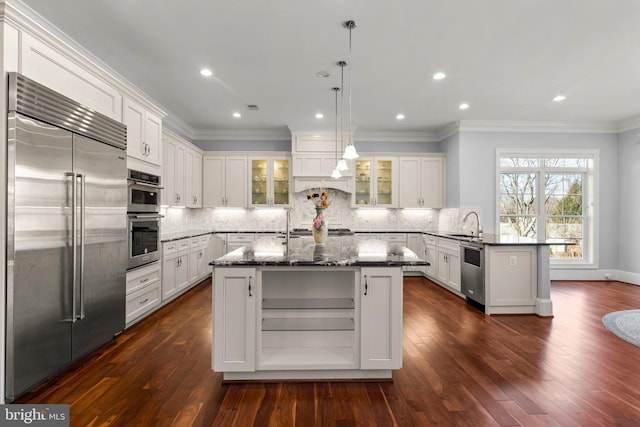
<point x="463" y="106"/>
<point x="206" y="72"/>
<point x="237" y="115"/>
<point x="400" y="116"/>
<point x="439" y="76"/>
<point x="323" y="74"/>
<point x="319" y="115"/>
<point x="559" y="98"/>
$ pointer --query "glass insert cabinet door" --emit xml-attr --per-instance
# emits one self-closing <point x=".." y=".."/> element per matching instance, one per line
<point x="384" y="180"/>
<point x="270" y="182"/>
<point x="259" y="182"/>
<point x="281" y="182"/>
<point x="374" y="179"/>
<point x="363" y="182"/>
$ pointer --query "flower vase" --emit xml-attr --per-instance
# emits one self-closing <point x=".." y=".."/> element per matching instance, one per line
<point x="320" y="227"/>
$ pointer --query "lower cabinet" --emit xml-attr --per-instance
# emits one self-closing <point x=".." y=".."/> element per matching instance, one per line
<point x="143" y="292"/>
<point x="184" y="263"/>
<point x="299" y="322"/>
<point x="380" y="323"/>
<point x="430" y="256"/>
<point x="448" y="262"/>
<point x="234" y="309"/>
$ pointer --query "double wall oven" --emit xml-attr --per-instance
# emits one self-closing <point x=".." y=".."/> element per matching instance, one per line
<point x="143" y="218"/>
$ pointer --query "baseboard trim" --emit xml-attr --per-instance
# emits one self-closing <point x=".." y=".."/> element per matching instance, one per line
<point x="597" y="274"/>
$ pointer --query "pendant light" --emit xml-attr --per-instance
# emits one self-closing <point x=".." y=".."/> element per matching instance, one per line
<point x="342" y="163"/>
<point x="350" y="151"/>
<point x="336" y="172"/>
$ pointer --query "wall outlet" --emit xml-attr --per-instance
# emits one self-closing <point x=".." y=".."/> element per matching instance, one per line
<point x="513" y="260"/>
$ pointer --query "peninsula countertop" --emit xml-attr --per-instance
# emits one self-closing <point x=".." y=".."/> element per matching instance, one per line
<point x="337" y="251"/>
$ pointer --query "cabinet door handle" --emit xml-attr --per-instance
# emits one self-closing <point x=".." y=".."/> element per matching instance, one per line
<point x="250" y="277"/>
<point x="366" y="284"/>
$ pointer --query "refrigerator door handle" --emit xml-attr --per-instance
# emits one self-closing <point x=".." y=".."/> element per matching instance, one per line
<point x="74" y="243"/>
<point x="82" y="242"/>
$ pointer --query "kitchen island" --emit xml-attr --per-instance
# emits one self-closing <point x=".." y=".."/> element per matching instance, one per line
<point x="302" y="311"/>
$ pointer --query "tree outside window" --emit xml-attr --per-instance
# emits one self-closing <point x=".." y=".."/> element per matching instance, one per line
<point x="543" y="198"/>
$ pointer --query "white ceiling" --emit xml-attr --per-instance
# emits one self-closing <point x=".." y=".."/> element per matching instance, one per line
<point x="506" y="58"/>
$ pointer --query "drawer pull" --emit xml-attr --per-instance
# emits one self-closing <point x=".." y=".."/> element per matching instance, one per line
<point x="144" y="301"/>
<point x="144" y="280"/>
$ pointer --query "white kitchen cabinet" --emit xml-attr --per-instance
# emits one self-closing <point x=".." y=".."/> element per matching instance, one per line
<point x="182" y="173"/>
<point x="380" y="318"/>
<point x="57" y="68"/>
<point x="416" y="242"/>
<point x="174" y="172"/>
<point x="237" y="240"/>
<point x="375" y="182"/>
<point x="144" y="132"/>
<point x="175" y="268"/>
<point x="315" y="156"/>
<point x="421" y="182"/>
<point x="198" y="261"/>
<point x="224" y="181"/>
<point x="234" y="320"/>
<point x="430" y="256"/>
<point x="143" y="292"/>
<point x="448" y="261"/>
<point x="193" y="178"/>
<point x="269" y="181"/>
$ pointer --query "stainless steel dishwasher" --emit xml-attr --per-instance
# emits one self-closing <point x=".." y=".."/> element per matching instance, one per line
<point x="472" y="271"/>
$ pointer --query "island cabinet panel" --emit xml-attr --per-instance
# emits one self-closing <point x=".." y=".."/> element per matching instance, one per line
<point x="234" y="320"/>
<point x="512" y="274"/>
<point x="381" y="318"/>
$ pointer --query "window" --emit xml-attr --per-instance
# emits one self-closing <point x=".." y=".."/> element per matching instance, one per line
<point x="549" y="195"/>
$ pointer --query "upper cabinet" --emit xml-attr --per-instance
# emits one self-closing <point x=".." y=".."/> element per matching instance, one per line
<point x="270" y="178"/>
<point x="376" y="182"/>
<point x="193" y="178"/>
<point x="224" y="181"/>
<point x="421" y="182"/>
<point x="182" y="173"/>
<point x="144" y="133"/>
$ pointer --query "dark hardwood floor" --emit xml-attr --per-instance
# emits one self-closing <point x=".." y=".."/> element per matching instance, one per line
<point x="460" y="368"/>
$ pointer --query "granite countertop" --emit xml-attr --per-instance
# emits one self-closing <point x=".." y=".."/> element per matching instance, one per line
<point x="185" y="234"/>
<point x="498" y="239"/>
<point x="338" y="251"/>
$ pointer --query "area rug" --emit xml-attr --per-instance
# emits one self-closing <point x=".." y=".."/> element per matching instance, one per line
<point x="625" y="324"/>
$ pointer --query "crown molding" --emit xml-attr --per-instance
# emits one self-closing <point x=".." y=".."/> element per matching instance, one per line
<point x="526" y="126"/>
<point x="630" y="123"/>
<point x="242" y="135"/>
<point x="417" y="136"/>
<point x="177" y="125"/>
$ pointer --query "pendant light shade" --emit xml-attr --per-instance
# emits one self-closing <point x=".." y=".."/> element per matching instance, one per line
<point x="336" y="174"/>
<point x="342" y="165"/>
<point x="350" y="150"/>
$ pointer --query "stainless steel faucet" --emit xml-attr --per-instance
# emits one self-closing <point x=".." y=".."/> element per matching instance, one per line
<point x="288" y="228"/>
<point x="478" y="226"/>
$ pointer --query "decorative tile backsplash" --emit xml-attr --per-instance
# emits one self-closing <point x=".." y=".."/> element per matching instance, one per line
<point x="340" y="215"/>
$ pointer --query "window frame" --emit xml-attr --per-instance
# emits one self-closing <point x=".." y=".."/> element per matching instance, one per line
<point x="590" y="194"/>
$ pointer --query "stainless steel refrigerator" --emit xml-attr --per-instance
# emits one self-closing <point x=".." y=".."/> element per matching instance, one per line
<point x="66" y="233"/>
